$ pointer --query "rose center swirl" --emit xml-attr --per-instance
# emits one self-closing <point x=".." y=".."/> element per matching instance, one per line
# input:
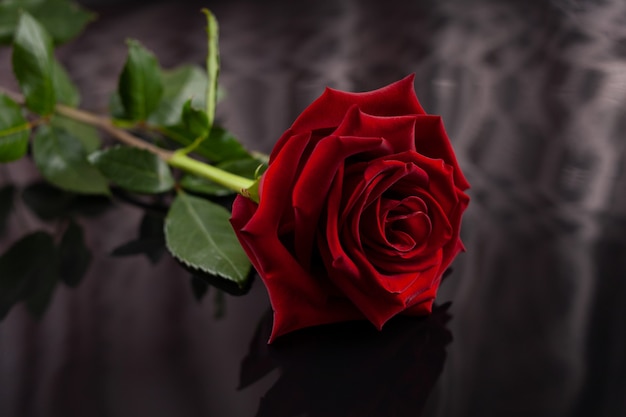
<point x="407" y="225"/>
<point x="396" y="227"/>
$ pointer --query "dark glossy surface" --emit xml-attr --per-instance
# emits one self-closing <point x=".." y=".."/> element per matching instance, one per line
<point x="533" y="95"/>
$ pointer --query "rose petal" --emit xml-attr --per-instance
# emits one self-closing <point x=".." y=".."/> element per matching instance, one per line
<point x="315" y="180"/>
<point x="356" y="282"/>
<point x="455" y="246"/>
<point x="397" y="99"/>
<point x="314" y="137"/>
<point x="381" y="172"/>
<point x="298" y="298"/>
<point x="410" y="284"/>
<point x="398" y="131"/>
<point x="354" y="274"/>
<point x="431" y="140"/>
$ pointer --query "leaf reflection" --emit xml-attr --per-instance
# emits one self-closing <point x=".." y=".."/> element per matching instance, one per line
<point x="350" y="369"/>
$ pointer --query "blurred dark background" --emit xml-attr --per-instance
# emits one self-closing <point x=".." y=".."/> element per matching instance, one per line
<point x="533" y="95"/>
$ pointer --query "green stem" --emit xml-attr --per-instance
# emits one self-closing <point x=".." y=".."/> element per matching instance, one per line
<point x="15" y="129"/>
<point x="212" y="65"/>
<point x="225" y="178"/>
<point x="106" y="125"/>
<point x="176" y="159"/>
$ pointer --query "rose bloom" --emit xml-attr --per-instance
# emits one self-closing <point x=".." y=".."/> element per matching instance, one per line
<point x="360" y="210"/>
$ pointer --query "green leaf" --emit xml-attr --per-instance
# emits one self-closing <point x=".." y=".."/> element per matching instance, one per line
<point x="212" y="64"/>
<point x="134" y="169"/>
<point x="63" y="19"/>
<point x="195" y="121"/>
<point x="9" y="15"/>
<point x="33" y="64"/>
<point x="75" y="257"/>
<point x="194" y="128"/>
<point x="86" y="134"/>
<point x="27" y="272"/>
<point x="64" y="89"/>
<point x="140" y="85"/>
<point x="203" y="186"/>
<point x="6" y="205"/>
<point x="14" y="130"/>
<point x="116" y="108"/>
<point x="198" y="233"/>
<point x="249" y="168"/>
<point x="62" y="160"/>
<point x="220" y="146"/>
<point x="179" y="86"/>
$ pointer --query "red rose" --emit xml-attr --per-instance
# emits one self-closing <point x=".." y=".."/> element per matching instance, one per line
<point x="360" y="210"/>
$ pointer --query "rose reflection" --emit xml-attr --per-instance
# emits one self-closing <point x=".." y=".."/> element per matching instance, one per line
<point x="350" y="369"/>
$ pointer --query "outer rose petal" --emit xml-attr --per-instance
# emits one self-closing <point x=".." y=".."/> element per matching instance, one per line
<point x="427" y="129"/>
<point x="397" y="99"/>
<point x="398" y="132"/>
<point x="298" y="298"/>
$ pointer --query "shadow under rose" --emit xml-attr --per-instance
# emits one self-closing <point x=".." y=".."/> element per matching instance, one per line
<point x="350" y="369"/>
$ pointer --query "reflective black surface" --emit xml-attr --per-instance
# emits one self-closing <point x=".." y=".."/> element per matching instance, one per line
<point x="350" y="369"/>
<point x="533" y="95"/>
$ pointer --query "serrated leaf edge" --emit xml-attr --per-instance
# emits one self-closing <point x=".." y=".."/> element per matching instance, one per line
<point x="241" y="278"/>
